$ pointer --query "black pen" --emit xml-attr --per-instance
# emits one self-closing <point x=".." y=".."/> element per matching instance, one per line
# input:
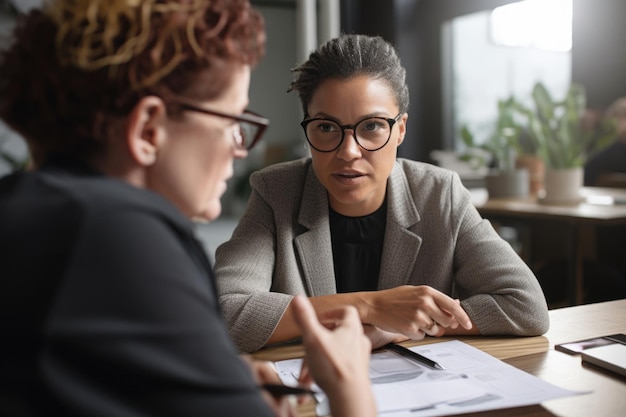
<point x="279" y="390"/>
<point x="413" y="355"/>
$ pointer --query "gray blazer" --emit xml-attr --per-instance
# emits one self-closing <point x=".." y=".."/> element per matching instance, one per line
<point x="434" y="236"/>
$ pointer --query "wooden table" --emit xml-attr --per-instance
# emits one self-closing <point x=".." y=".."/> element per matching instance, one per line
<point x="578" y="218"/>
<point x="537" y="356"/>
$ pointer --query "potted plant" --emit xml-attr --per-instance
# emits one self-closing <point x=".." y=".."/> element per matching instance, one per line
<point x="562" y="137"/>
<point x="505" y="179"/>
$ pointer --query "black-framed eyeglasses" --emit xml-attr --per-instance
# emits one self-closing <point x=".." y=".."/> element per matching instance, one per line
<point x="371" y="133"/>
<point x="251" y="125"/>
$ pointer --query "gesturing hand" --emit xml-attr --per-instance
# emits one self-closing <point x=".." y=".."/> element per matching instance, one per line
<point x="337" y="357"/>
<point x="415" y="311"/>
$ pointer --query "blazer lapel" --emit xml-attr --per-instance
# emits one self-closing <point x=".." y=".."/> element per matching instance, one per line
<point x="401" y="244"/>
<point x="314" y="246"/>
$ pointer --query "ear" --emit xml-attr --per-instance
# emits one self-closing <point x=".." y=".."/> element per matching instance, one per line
<point x="146" y="129"/>
<point x="402" y="128"/>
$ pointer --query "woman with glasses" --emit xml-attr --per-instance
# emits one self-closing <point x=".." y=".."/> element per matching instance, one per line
<point x="133" y="112"/>
<point x="355" y="225"/>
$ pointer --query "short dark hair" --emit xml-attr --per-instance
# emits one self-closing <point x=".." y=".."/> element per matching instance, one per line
<point x="347" y="56"/>
<point x="76" y="65"/>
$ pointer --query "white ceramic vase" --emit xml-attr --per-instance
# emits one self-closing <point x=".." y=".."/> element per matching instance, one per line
<point x="562" y="186"/>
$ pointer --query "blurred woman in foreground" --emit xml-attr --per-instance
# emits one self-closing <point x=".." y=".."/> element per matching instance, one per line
<point x="133" y="112"/>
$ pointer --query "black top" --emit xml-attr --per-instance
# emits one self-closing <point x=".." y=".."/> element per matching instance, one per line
<point x="108" y="305"/>
<point x="357" y="249"/>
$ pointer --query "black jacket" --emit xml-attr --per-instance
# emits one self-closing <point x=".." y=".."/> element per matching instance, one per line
<point x="108" y="306"/>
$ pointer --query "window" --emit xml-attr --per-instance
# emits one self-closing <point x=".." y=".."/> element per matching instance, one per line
<point x="491" y="55"/>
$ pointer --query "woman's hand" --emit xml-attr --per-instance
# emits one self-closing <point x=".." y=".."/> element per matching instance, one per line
<point x="337" y="357"/>
<point x="380" y="338"/>
<point x="264" y="373"/>
<point x="415" y="311"/>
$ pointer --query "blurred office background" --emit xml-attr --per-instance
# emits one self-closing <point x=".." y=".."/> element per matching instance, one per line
<point x="461" y="56"/>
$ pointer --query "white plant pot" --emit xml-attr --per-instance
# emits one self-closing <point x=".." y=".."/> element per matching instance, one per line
<point x="562" y="186"/>
<point x="508" y="184"/>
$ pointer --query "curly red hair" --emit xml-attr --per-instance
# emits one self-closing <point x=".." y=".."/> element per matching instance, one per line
<point x="77" y="64"/>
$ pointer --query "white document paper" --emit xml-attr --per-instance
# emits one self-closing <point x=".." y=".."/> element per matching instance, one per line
<point x="472" y="381"/>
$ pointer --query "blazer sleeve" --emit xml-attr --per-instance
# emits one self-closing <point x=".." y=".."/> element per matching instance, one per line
<point x="498" y="290"/>
<point x="251" y="303"/>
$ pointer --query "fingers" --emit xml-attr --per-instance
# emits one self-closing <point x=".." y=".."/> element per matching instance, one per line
<point x="417" y="311"/>
<point x="432" y="319"/>
<point x="337" y="359"/>
<point x="266" y="373"/>
<point x="314" y="334"/>
<point x="427" y="327"/>
<point x="448" y="312"/>
<point x="333" y="318"/>
<point x="284" y="406"/>
<point x="305" y="377"/>
<point x="433" y="329"/>
<point x="263" y="372"/>
<point x="379" y="338"/>
<point x="305" y="316"/>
